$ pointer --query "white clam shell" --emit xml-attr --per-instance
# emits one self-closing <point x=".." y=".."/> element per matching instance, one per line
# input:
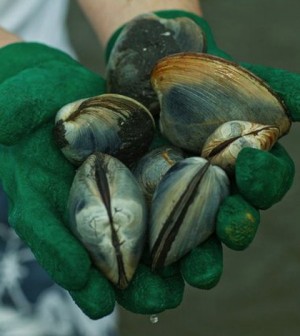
<point x="109" y="123"/>
<point x="184" y="209"/>
<point x="223" y="146"/>
<point x="111" y="223"/>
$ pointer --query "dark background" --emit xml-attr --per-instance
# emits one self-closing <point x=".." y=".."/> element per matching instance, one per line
<point x="259" y="292"/>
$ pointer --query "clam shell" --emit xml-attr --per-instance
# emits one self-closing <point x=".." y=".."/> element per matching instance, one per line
<point x="108" y="214"/>
<point x="199" y="92"/>
<point x="223" y="146"/>
<point x="150" y="169"/>
<point x="140" y="45"/>
<point x="109" y="123"/>
<point x="184" y="208"/>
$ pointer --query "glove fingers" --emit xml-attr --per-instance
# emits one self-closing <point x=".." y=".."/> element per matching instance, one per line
<point x="203" y="266"/>
<point x="237" y="223"/>
<point x="32" y="54"/>
<point x="263" y="178"/>
<point x="174" y="283"/>
<point x="286" y="84"/>
<point x="58" y="252"/>
<point x="44" y="169"/>
<point x="33" y="97"/>
<point x="97" y="298"/>
<point x="149" y="293"/>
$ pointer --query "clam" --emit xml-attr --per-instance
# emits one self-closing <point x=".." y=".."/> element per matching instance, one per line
<point x="140" y="45"/>
<point x="150" y="169"/>
<point x="108" y="214"/>
<point x="109" y="123"/>
<point x="223" y="146"/>
<point x="199" y="92"/>
<point x="184" y="208"/>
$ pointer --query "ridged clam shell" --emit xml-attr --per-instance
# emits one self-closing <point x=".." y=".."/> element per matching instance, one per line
<point x="150" y="169"/>
<point x="108" y="214"/>
<point x="199" y="92"/>
<point x="109" y="123"/>
<point x="184" y="208"/>
<point x="140" y="45"/>
<point x="223" y="146"/>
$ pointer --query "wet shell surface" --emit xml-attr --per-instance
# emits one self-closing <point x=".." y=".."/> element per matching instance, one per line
<point x="108" y="215"/>
<point x="199" y="92"/>
<point x="223" y="146"/>
<point x="109" y="123"/>
<point x="184" y="209"/>
<point x="150" y="169"/>
<point x="135" y="53"/>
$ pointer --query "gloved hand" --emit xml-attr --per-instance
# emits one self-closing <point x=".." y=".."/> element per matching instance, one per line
<point x="38" y="195"/>
<point x="35" y="82"/>
<point x="261" y="178"/>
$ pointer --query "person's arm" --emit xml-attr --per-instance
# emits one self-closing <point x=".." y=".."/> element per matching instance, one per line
<point x="106" y="15"/>
<point x="7" y="37"/>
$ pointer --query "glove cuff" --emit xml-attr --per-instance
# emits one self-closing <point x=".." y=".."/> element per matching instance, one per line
<point x="173" y="14"/>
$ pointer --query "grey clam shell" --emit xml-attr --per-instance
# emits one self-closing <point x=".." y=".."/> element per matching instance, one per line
<point x="142" y="42"/>
<point x="150" y="169"/>
<point x="223" y="146"/>
<point x="108" y="215"/>
<point x="199" y="92"/>
<point x="184" y="209"/>
<point x="109" y="123"/>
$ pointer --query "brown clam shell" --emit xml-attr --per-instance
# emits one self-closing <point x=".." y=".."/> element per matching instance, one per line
<point x="199" y="92"/>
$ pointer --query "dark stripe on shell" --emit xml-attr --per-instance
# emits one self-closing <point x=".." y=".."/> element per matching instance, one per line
<point x="228" y="142"/>
<point x="171" y="227"/>
<point x="103" y="187"/>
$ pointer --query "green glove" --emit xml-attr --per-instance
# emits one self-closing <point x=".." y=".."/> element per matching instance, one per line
<point x="26" y="128"/>
<point x="35" y="82"/>
<point x="261" y="178"/>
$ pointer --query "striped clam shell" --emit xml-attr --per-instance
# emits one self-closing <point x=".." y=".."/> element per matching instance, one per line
<point x="223" y="146"/>
<point x="108" y="214"/>
<point x="184" y="209"/>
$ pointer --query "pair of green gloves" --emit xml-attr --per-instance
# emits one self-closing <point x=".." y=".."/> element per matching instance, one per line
<point x="35" y="82"/>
